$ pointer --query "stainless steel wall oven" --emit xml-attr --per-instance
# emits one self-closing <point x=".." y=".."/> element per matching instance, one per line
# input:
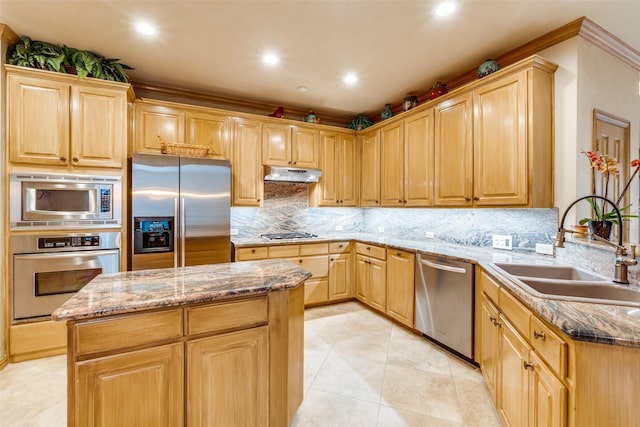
<point x="46" y="270"/>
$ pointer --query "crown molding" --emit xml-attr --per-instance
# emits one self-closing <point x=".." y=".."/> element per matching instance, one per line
<point x="7" y="35"/>
<point x="600" y="37"/>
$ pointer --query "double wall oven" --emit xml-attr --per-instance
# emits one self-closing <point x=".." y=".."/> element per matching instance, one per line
<point x="54" y="247"/>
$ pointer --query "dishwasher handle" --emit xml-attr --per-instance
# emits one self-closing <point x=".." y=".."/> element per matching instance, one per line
<point x="445" y="267"/>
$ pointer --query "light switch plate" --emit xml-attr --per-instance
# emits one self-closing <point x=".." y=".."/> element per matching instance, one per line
<point x="234" y="232"/>
<point x="429" y="234"/>
<point x="502" y="241"/>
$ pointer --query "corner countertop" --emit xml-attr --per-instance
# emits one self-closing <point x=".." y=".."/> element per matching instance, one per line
<point x="133" y="291"/>
<point x="591" y="322"/>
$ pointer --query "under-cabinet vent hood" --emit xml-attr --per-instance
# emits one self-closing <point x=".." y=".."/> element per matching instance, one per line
<point x="287" y="174"/>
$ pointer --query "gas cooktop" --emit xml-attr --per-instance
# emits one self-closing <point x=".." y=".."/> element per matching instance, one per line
<point x="287" y="236"/>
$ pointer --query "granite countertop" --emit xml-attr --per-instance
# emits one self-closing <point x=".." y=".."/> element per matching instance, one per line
<point x="591" y="322"/>
<point x="133" y="291"/>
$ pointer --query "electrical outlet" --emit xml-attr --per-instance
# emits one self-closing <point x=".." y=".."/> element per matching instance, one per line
<point x="545" y="249"/>
<point x="380" y="229"/>
<point x="339" y="228"/>
<point x="502" y="241"/>
<point x="234" y="232"/>
<point x="429" y="234"/>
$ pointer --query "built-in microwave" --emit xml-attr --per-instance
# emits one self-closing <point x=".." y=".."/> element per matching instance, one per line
<point x="44" y="201"/>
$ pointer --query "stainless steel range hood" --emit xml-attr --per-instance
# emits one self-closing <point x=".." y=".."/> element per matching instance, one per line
<point x="287" y="174"/>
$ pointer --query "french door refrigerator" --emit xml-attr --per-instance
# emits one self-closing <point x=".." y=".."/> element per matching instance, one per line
<point x="179" y="211"/>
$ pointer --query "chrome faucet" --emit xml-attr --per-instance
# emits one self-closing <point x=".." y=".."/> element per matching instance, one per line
<point x="623" y="260"/>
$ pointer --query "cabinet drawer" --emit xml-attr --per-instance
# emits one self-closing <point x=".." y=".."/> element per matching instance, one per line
<point x="247" y="254"/>
<point x="316" y="291"/>
<point x="127" y="331"/>
<point x="318" y="265"/>
<point x="284" y="251"/>
<point x="490" y="287"/>
<point x="549" y="345"/>
<point x="314" y="249"/>
<point x="225" y="316"/>
<point x="339" y="247"/>
<point x="517" y="313"/>
<point x="374" y="251"/>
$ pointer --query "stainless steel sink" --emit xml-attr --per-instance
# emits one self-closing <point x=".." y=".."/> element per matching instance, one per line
<point x="562" y="272"/>
<point x="568" y="283"/>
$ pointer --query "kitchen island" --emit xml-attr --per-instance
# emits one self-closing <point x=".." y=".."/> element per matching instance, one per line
<point x="199" y="346"/>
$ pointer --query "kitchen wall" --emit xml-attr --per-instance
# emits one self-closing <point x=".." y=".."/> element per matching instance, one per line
<point x="3" y="249"/>
<point x="285" y="209"/>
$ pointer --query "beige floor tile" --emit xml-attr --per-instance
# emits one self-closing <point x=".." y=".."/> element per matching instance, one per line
<point x="355" y="345"/>
<point x="423" y="392"/>
<point x="392" y="417"/>
<point x="476" y="405"/>
<point x="419" y="354"/>
<point x="323" y="409"/>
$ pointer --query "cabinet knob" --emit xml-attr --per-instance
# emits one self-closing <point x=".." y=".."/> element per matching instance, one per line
<point x="527" y="365"/>
<point x="295" y="163"/>
<point x="258" y="200"/>
<point x="63" y="159"/>
<point x="404" y="201"/>
<point x="476" y="198"/>
<point x="368" y="248"/>
<point x="300" y="261"/>
<point x="376" y="202"/>
<point x="289" y="162"/>
<point x="253" y="251"/>
<point x="75" y="159"/>
<point x="466" y="199"/>
<point x="340" y="246"/>
<point x="493" y="319"/>
<point x="539" y="335"/>
<point x="399" y="201"/>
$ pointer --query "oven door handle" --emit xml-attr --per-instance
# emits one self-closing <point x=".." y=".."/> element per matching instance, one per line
<point x="444" y="267"/>
<point x="63" y="255"/>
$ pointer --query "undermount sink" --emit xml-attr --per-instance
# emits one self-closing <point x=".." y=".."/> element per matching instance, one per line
<point x="568" y="283"/>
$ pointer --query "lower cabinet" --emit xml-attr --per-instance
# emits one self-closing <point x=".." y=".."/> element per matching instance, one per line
<point x="105" y="386"/>
<point x="401" y="286"/>
<point x="341" y="272"/>
<point x="371" y="275"/>
<point x="216" y="394"/>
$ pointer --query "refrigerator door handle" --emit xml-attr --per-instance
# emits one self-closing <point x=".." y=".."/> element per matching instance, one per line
<point x="176" y="247"/>
<point x="183" y="232"/>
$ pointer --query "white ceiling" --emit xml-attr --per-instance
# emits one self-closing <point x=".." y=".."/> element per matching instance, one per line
<point x="396" y="47"/>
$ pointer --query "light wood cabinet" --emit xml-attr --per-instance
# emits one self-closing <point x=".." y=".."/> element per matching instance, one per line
<point x="401" y="286"/>
<point x="158" y="122"/>
<point x="419" y="159"/>
<point x="371" y="275"/>
<point x="247" y="173"/>
<point x="216" y="394"/>
<point x="63" y="121"/>
<point x="288" y="145"/>
<point x="490" y="333"/>
<point x="338" y="161"/>
<point x="341" y="271"/>
<point x="370" y="169"/>
<point x="392" y="165"/>
<point x="105" y="387"/>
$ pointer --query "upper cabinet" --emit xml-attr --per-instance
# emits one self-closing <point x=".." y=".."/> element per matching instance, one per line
<point x="65" y="122"/>
<point x="392" y="165"/>
<point x="289" y="145"/>
<point x="338" y="161"/>
<point x="247" y="173"/>
<point x="370" y="169"/>
<point x="158" y="122"/>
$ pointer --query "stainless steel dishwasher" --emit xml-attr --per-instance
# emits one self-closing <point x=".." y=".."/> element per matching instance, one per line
<point x="444" y="302"/>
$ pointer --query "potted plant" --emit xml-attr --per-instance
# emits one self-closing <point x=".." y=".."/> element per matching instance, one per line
<point x="360" y="122"/>
<point x="603" y="219"/>
<point x="88" y="64"/>
<point x="36" y="54"/>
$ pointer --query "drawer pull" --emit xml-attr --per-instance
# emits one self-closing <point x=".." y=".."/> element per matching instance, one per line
<point x="253" y="251"/>
<point x="75" y="159"/>
<point x="63" y="159"/>
<point x="527" y="365"/>
<point x="539" y="335"/>
<point x="300" y="261"/>
<point x="493" y="319"/>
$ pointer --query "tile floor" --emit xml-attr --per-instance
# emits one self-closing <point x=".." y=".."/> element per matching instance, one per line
<point x="360" y="370"/>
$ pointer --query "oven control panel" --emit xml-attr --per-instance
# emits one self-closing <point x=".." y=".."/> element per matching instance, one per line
<point x="56" y="242"/>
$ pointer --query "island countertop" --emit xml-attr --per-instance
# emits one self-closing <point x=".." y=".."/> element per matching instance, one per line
<point x="133" y="291"/>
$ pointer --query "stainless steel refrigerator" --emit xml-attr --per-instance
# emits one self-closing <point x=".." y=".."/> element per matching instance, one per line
<point x="179" y="211"/>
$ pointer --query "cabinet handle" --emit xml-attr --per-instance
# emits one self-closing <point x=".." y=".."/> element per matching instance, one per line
<point x="376" y="202"/>
<point x="289" y="162"/>
<point x="75" y="159"/>
<point x="527" y="365"/>
<point x="258" y="200"/>
<point x="399" y="254"/>
<point x="466" y="199"/>
<point x="253" y="251"/>
<point x="404" y="201"/>
<point x="476" y="198"/>
<point x="399" y="201"/>
<point x="368" y="248"/>
<point x="539" y="335"/>
<point x="295" y="163"/>
<point x="63" y="159"/>
<point x="340" y="246"/>
<point x="300" y="261"/>
<point x="493" y="319"/>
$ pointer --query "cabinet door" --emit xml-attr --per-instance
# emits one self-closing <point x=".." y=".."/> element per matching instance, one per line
<point x="401" y="286"/>
<point x="276" y="144"/>
<point x="392" y="165"/>
<point x="38" y="116"/>
<point x="370" y="170"/>
<point x="419" y="159"/>
<point x="155" y="124"/>
<point x="228" y="379"/>
<point x="142" y="388"/>
<point x="377" y="284"/>
<point x="489" y="333"/>
<point x="547" y="397"/>
<point x="316" y="291"/>
<point x="362" y="278"/>
<point x="513" y="386"/>
<point x="340" y="276"/>
<point x="500" y="164"/>
<point x="347" y="182"/>
<point x="327" y="187"/>
<point x="98" y="127"/>
<point x="453" y="152"/>
<point x="211" y="130"/>
<point x="247" y="165"/>
<point x="304" y="147"/>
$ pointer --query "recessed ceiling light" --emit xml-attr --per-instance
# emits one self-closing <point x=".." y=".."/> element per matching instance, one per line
<point x="445" y="8"/>
<point x="350" y="79"/>
<point x="303" y="88"/>
<point x="270" y="58"/>
<point x="146" y="29"/>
